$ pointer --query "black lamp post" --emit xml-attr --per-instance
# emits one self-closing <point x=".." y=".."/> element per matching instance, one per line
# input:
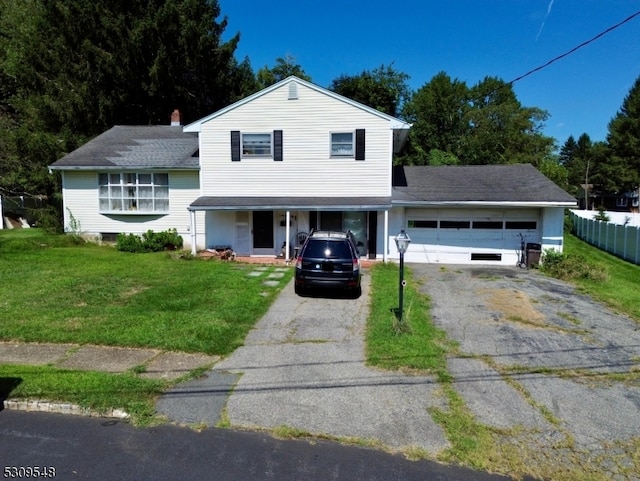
<point x="402" y="243"/>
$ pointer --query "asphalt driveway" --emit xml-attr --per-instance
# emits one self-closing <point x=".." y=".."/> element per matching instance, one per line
<point x="538" y="356"/>
<point x="550" y="369"/>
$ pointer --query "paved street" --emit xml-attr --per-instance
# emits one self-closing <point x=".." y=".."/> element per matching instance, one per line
<point x="98" y="449"/>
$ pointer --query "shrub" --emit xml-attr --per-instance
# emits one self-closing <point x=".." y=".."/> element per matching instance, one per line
<point x="49" y="219"/>
<point x="129" y="243"/>
<point x="150" y="241"/>
<point x="571" y="266"/>
<point x="601" y="215"/>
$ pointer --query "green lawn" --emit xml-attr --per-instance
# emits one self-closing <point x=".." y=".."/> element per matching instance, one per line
<point x="621" y="289"/>
<point x="55" y="291"/>
<point x="417" y="343"/>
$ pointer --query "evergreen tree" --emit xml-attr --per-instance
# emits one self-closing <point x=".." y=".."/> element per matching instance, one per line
<point x="624" y="142"/>
<point x="568" y="151"/>
<point x="77" y="67"/>
<point x="578" y="158"/>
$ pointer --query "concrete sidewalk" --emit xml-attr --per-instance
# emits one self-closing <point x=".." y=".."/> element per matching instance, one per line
<point x="150" y="363"/>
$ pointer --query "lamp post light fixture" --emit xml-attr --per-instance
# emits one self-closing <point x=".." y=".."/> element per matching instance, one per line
<point x="402" y="243"/>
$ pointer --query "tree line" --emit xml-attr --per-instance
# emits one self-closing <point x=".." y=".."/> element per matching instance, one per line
<point x="71" y="69"/>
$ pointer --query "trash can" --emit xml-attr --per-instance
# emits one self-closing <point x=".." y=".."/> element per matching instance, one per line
<point x="534" y="251"/>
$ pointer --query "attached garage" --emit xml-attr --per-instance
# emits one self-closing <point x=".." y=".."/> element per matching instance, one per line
<point x="461" y="236"/>
<point x="476" y="214"/>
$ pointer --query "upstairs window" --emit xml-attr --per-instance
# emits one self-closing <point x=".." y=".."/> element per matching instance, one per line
<point x="342" y="144"/>
<point x="256" y="145"/>
<point x="133" y="193"/>
<point x="348" y="144"/>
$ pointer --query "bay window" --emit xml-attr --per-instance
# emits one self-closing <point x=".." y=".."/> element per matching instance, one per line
<point x="131" y="192"/>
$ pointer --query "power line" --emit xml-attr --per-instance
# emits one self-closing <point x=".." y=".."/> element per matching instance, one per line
<point x="583" y="44"/>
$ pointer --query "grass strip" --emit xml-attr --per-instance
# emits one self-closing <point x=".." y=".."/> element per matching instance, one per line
<point x="97" y="391"/>
<point x="418" y="345"/>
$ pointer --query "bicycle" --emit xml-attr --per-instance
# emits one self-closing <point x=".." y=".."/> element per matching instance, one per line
<point x="522" y="261"/>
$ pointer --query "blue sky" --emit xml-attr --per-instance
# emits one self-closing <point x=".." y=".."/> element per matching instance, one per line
<point x="468" y="39"/>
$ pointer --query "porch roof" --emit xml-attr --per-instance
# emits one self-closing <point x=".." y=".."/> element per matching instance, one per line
<point x="291" y="203"/>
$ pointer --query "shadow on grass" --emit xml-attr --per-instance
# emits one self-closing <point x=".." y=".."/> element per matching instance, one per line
<point x="7" y="384"/>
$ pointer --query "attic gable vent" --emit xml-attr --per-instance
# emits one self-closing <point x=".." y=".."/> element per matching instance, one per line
<point x="293" y="91"/>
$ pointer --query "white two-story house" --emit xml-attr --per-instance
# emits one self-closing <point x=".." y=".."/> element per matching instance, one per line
<point x="259" y="174"/>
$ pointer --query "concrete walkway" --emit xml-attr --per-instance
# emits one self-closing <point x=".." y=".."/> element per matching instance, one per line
<point x="151" y="363"/>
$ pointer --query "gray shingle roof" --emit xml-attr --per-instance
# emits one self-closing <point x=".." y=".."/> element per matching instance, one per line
<point x="476" y="183"/>
<point x="140" y="147"/>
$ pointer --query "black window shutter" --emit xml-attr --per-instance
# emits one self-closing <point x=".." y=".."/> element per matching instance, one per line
<point x="235" y="145"/>
<point x="277" y="145"/>
<point x="359" y="144"/>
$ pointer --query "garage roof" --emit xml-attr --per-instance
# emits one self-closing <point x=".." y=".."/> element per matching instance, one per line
<point x="476" y="184"/>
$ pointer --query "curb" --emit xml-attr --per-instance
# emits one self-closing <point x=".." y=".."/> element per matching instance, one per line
<point x="61" y="408"/>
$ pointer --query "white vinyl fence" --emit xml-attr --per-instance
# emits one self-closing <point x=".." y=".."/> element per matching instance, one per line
<point x="620" y="237"/>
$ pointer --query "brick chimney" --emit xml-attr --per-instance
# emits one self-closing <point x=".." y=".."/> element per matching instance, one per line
<point x="176" y="118"/>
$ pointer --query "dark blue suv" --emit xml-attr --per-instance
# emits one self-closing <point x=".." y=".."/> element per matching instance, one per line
<point x="328" y="260"/>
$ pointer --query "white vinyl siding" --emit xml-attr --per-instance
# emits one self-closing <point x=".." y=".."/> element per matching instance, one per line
<point x="307" y="167"/>
<point x="82" y="202"/>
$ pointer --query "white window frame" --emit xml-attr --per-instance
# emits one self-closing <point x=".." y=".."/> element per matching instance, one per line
<point x="136" y="193"/>
<point x="334" y="152"/>
<point x="249" y="148"/>
<point x="622" y="202"/>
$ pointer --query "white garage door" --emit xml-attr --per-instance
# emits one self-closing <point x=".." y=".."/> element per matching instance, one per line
<point x="470" y="236"/>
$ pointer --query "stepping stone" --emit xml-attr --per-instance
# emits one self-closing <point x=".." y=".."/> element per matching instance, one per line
<point x="271" y="283"/>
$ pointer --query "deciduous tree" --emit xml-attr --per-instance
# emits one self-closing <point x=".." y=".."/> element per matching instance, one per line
<point x="438" y="112"/>
<point x="384" y="88"/>
<point x="285" y="67"/>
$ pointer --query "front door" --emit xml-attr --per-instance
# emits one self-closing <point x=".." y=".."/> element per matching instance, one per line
<point x="263" y="232"/>
<point x="243" y="234"/>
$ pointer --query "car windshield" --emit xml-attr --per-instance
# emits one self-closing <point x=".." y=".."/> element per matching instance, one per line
<point x="328" y="250"/>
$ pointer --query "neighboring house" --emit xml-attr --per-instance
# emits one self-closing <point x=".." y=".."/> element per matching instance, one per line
<point x="294" y="157"/>
<point x="609" y="201"/>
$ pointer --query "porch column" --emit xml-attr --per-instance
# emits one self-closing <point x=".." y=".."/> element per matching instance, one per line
<point x="386" y="236"/>
<point x="192" y="216"/>
<point x="287" y="234"/>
